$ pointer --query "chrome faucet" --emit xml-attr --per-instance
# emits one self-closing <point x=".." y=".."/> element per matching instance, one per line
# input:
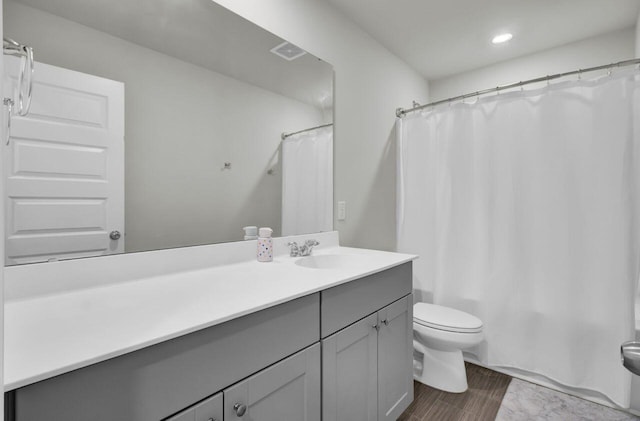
<point x="303" y="250"/>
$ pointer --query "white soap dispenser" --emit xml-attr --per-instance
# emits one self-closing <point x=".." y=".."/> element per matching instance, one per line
<point x="265" y="245"/>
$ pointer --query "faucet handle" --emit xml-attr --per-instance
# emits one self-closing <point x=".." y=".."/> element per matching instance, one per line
<point x="295" y="250"/>
<point x="307" y="247"/>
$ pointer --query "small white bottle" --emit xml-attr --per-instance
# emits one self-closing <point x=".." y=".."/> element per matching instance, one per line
<point x="265" y="245"/>
<point x="250" y="232"/>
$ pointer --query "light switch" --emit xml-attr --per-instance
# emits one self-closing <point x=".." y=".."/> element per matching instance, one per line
<point x="342" y="211"/>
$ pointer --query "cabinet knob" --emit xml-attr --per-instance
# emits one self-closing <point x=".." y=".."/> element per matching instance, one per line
<point x="376" y="327"/>
<point x="114" y="235"/>
<point x="386" y="322"/>
<point x="240" y="409"/>
<point x="212" y="419"/>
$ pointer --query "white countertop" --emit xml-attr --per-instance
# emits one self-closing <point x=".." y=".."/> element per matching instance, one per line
<point x="47" y="335"/>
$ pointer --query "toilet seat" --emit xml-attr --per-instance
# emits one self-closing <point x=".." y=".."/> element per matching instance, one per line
<point x="445" y="318"/>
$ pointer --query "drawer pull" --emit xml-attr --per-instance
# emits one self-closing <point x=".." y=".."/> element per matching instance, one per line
<point x="240" y="409"/>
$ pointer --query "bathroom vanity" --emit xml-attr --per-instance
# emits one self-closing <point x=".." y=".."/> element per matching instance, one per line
<point x="325" y="337"/>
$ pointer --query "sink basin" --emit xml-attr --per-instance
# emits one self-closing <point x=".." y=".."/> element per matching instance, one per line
<point x="330" y="261"/>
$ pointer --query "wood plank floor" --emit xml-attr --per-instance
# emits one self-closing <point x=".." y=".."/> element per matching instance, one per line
<point x="480" y="402"/>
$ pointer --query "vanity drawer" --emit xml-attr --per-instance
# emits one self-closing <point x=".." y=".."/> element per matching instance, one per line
<point x="349" y="302"/>
<point x="156" y="382"/>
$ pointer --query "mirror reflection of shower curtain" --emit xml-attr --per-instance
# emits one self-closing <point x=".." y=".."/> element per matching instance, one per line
<point x="307" y="182"/>
<point x="524" y="210"/>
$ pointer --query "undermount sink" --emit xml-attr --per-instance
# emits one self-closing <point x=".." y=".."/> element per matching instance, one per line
<point x="330" y="261"/>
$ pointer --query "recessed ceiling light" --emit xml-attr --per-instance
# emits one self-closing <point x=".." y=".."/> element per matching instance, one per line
<point x="499" y="39"/>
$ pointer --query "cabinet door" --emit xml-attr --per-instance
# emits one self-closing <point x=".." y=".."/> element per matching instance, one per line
<point x="208" y="410"/>
<point x="349" y="373"/>
<point x="395" y="359"/>
<point x="286" y="391"/>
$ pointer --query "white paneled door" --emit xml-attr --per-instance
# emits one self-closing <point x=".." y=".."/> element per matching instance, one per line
<point x="64" y="168"/>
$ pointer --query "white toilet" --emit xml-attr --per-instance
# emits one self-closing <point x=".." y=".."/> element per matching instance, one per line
<point x="440" y="334"/>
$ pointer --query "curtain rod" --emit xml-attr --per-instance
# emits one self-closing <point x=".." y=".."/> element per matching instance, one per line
<point x="286" y="135"/>
<point x="401" y="112"/>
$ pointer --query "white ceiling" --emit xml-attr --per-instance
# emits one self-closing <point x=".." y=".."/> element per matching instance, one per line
<point x="436" y="37"/>
<point x="206" y="34"/>
<point x="444" y="37"/>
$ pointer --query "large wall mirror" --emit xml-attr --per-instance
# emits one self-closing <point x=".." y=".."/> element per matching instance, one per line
<point x="158" y="124"/>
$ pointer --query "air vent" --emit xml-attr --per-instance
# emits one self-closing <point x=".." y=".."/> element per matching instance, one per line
<point x="288" y="51"/>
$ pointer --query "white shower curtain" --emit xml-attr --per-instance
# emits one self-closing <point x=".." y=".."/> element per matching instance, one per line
<point x="523" y="209"/>
<point x="307" y="182"/>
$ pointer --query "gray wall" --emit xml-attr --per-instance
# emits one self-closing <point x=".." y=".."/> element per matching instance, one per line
<point x="182" y="122"/>
<point x="370" y="83"/>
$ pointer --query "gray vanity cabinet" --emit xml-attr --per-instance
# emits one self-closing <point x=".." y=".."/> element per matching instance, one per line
<point x="288" y="390"/>
<point x="208" y="410"/>
<point x="367" y="363"/>
<point x="366" y="367"/>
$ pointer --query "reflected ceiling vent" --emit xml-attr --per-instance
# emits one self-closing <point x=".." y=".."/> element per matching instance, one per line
<point x="288" y="51"/>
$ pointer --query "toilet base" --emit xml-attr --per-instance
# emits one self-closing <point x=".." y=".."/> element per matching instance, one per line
<point x="442" y="370"/>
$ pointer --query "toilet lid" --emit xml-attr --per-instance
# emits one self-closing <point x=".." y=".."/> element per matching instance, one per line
<point x="445" y="318"/>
